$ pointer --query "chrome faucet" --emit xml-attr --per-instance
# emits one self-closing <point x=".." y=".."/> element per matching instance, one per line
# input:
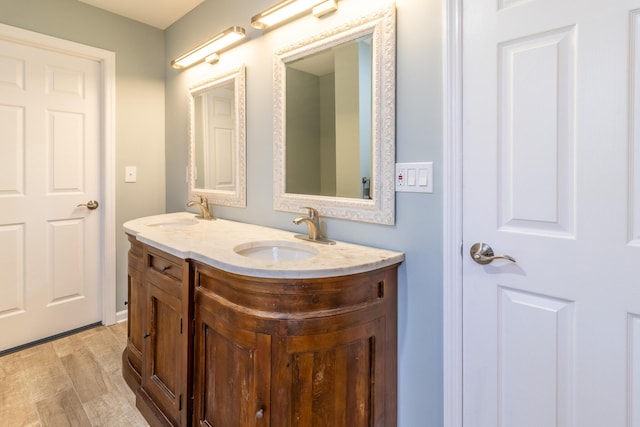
<point x="313" y="227"/>
<point x="203" y="205"/>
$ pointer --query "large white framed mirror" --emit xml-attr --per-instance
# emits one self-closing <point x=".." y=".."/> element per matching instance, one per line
<point x="217" y="147"/>
<point x="334" y="121"/>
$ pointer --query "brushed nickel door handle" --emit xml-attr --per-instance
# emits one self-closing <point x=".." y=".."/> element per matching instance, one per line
<point x="91" y="204"/>
<point x="483" y="254"/>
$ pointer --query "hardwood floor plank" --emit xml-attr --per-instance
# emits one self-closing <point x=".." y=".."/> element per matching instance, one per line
<point x="16" y="406"/>
<point x="119" y="330"/>
<point x="43" y="373"/>
<point x="10" y="364"/>
<point x="19" y="414"/>
<point x="67" y="345"/>
<point x="85" y="373"/>
<point x="119" y="386"/>
<point x="12" y="390"/>
<point x="106" y="350"/>
<point x="63" y="410"/>
<point x="113" y="410"/>
<point x="72" y="381"/>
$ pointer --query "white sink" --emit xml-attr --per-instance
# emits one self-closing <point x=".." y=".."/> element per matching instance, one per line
<point x="174" y="223"/>
<point x="276" y="250"/>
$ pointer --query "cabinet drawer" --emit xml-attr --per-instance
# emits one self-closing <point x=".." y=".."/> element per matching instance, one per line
<point x="162" y="264"/>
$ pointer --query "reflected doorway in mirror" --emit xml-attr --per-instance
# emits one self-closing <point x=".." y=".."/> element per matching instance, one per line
<point x="217" y="143"/>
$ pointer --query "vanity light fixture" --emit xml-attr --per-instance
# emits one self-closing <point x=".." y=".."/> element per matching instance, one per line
<point x="325" y="7"/>
<point x="212" y="59"/>
<point x="209" y="50"/>
<point x="289" y="8"/>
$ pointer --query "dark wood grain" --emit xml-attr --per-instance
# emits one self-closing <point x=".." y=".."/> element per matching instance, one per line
<point x="164" y="393"/>
<point x="332" y="351"/>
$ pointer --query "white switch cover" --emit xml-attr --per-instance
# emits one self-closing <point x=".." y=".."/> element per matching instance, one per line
<point x="130" y="174"/>
<point x="414" y="177"/>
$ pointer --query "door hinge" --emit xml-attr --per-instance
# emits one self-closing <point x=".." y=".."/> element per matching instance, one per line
<point x="180" y="403"/>
<point x="181" y="326"/>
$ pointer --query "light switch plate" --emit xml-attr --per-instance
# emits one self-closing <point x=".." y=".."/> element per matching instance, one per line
<point x="416" y="177"/>
<point x="130" y="174"/>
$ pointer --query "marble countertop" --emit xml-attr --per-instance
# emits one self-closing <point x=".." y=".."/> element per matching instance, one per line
<point x="213" y="243"/>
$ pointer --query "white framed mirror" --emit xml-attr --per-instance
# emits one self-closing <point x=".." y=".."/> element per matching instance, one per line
<point x="334" y="121"/>
<point x="217" y="143"/>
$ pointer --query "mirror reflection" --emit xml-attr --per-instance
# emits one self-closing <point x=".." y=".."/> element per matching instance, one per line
<point x="329" y="121"/>
<point x="334" y="121"/>
<point x="217" y="148"/>
<point x="214" y="138"/>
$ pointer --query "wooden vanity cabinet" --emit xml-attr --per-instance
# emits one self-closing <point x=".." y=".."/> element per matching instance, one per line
<point x="211" y="348"/>
<point x="295" y="352"/>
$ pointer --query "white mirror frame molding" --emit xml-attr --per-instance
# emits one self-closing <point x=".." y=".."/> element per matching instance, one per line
<point x="380" y="209"/>
<point x="238" y="197"/>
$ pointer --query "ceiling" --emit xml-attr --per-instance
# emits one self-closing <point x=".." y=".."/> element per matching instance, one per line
<point x="157" y="13"/>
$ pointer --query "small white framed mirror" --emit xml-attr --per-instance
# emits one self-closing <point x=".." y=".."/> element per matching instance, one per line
<point x="217" y="143"/>
<point x="334" y="121"/>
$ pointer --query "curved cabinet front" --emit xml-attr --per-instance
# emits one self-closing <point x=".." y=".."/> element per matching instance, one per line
<point x="295" y="352"/>
<point x="132" y="356"/>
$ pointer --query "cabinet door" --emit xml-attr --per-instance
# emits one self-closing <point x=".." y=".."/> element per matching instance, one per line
<point x="332" y="379"/>
<point x="232" y="372"/>
<point x="165" y="371"/>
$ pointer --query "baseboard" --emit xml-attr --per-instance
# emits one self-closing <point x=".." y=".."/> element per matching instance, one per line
<point x="121" y="316"/>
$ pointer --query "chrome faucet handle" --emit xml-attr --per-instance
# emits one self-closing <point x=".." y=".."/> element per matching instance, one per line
<point x="313" y="214"/>
<point x="313" y="226"/>
<point x="203" y="205"/>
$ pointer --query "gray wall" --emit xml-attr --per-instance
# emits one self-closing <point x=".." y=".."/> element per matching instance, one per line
<point x="140" y="111"/>
<point x="418" y="228"/>
<point x="303" y="133"/>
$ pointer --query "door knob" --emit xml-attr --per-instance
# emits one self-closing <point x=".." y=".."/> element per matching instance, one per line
<point x="483" y="254"/>
<point x="91" y="204"/>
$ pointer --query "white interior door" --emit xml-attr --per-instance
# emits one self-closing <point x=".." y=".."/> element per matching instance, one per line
<point x="219" y="149"/>
<point x="49" y="164"/>
<point x="551" y="143"/>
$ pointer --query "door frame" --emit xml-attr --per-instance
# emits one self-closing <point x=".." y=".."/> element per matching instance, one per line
<point x="452" y="213"/>
<point x="107" y="60"/>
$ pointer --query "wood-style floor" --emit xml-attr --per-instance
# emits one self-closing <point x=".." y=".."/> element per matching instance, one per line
<point x="73" y="381"/>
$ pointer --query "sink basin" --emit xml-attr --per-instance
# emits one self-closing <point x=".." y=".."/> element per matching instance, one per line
<point x="174" y="223"/>
<point x="276" y="250"/>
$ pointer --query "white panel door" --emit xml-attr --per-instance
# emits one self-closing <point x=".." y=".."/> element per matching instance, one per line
<point x="49" y="164"/>
<point x="551" y="142"/>
<point x="220" y="147"/>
